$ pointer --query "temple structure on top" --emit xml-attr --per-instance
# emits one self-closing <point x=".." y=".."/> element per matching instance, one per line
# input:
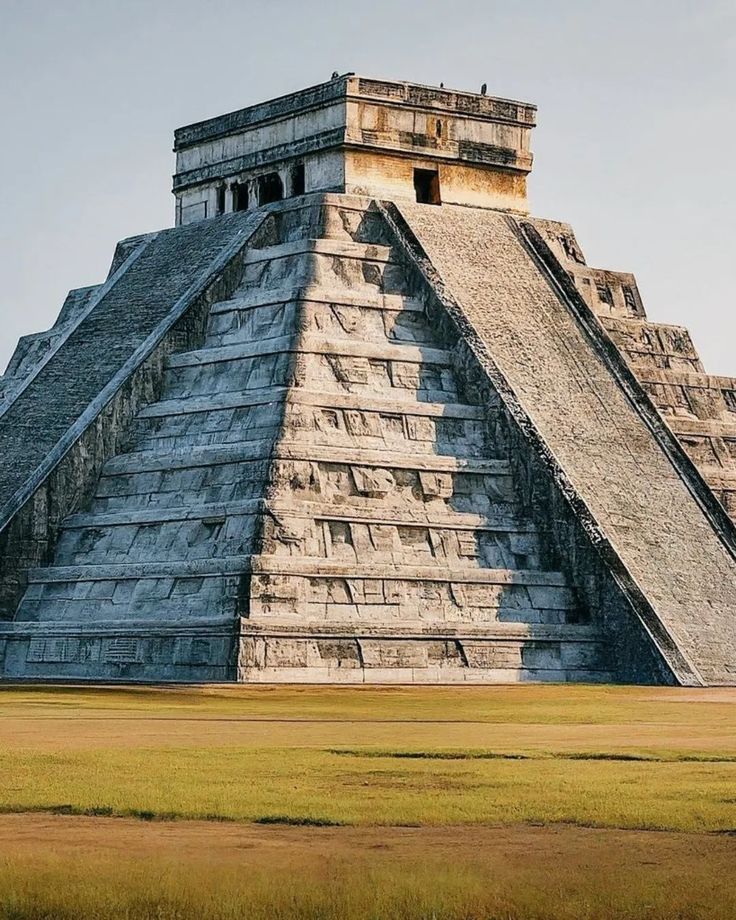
<point x="359" y="417"/>
<point x="359" y="137"/>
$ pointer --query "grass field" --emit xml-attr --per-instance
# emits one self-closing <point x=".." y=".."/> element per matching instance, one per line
<point x="505" y="802"/>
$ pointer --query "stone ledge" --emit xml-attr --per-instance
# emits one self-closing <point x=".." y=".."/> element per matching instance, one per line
<point x="270" y="395"/>
<point x="316" y="567"/>
<point x="160" y="515"/>
<point x="346" y="249"/>
<point x="193" y="404"/>
<point x="371" y="403"/>
<point x="707" y="427"/>
<point x="222" y="353"/>
<point x="625" y="323"/>
<point x="421" y="631"/>
<point x="53" y="629"/>
<point x="687" y="379"/>
<point x="400" y="517"/>
<point x="720" y="478"/>
<point x="307" y="343"/>
<point x="390" y="460"/>
<point x="315" y="293"/>
<point x="404" y="517"/>
<point x="197" y="568"/>
<point x="147" y="461"/>
<point x="439" y="675"/>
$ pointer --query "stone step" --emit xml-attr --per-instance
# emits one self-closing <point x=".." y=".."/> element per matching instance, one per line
<point x="312" y="344"/>
<point x="641" y="323"/>
<point x="390" y="459"/>
<point x="298" y="396"/>
<point x="207" y="513"/>
<point x="400" y="517"/>
<point x="220" y="513"/>
<point x="333" y="321"/>
<point x="302" y="567"/>
<point x="260" y="349"/>
<point x="435" y="674"/>
<point x="720" y="477"/>
<point x="192" y="404"/>
<point x="316" y="293"/>
<point x="422" y="630"/>
<point x="686" y="379"/>
<point x="703" y="427"/>
<point x="346" y="249"/>
<point x="305" y="566"/>
<point x="50" y="629"/>
<point x="197" y="568"/>
<point x="146" y="461"/>
<point x="332" y="263"/>
<point x="644" y="338"/>
<point x="171" y="440"/>
<point x="488" y="662"/>
<point x="337" y="630"/>
<point x="437" y="657"/>
<point x="150" y="461"/>
<point x="369" y="402"/>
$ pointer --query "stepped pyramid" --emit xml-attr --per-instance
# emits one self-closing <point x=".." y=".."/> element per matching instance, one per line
<point x="360" y="418"/>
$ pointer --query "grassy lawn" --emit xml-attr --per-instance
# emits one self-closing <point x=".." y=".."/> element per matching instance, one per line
<point x="528" y="801"/>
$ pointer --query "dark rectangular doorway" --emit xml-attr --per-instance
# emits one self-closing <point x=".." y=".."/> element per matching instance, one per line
<point x="270" y="188"/>
<point x="240" y="196"/>
<point x="427" y="186"/>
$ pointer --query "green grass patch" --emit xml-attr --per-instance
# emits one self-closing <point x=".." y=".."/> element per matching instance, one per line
<point x="244" y="784"/>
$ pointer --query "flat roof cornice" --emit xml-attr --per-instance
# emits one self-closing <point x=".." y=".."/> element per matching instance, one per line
<point x="353" y="87"/>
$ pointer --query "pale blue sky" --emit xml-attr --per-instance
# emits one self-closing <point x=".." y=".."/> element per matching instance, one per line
<point x="634" y="146"/>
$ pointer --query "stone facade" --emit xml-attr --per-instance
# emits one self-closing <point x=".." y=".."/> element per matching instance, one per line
<point x="342" y="439"/>
<point x="357" y="136"/>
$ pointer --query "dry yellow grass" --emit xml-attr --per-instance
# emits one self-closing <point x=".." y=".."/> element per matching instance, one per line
<point x="64" y="868"/>
<point x="633" y="791"/>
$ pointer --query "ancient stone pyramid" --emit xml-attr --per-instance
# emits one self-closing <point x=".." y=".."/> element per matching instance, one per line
<point x="359" y="418"/>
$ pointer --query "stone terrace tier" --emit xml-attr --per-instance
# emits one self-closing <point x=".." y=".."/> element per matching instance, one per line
<point x="699" y="407"/>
